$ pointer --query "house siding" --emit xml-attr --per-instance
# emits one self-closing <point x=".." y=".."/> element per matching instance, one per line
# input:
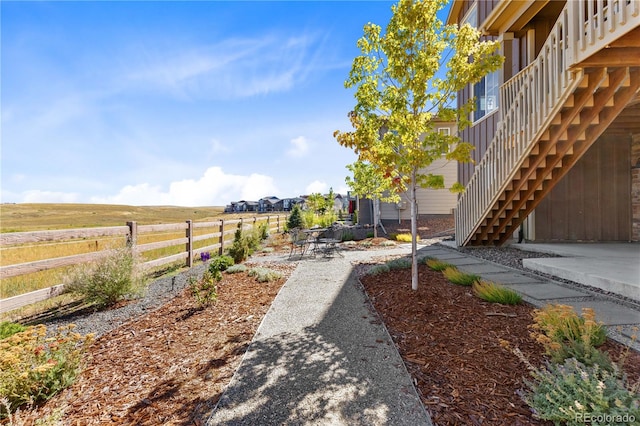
<point x="593" y="201"/>
<point x="430" y="201"/>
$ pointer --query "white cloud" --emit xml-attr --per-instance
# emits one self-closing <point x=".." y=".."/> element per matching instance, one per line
<point x="218" y="147"/>
<point x="213" y="188"/>
<point x="38" y="196"/>
<point x="317" y="186"/>
<point x="233" y="68"/>
<point x="299" y="147"/>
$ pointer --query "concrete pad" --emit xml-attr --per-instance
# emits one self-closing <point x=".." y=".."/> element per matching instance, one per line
<point x="483" y="268"/>
<point x="609" y="313"/>
<point x="510" y="278"/>
<point x="621" y="276"/>
<point x="546" y="291"/>
<point x="464" y="261"/>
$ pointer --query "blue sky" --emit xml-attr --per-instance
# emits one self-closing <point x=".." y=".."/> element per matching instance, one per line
<point x="190" y="103"/>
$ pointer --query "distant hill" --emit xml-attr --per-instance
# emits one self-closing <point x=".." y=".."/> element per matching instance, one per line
<point x="37" y="217"/>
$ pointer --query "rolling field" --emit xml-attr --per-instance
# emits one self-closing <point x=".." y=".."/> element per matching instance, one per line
<point x="39" y="217"/>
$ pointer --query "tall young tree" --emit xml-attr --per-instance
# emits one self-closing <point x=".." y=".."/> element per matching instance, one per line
<point x="367" y="183"/>
<point x="404" y="79"/>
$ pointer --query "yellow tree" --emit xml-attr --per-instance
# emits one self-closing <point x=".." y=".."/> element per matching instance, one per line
<point x="404" y="78"/>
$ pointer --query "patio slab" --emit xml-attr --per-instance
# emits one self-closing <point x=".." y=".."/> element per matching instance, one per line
<point x="545" y="291"/>
<point x="609" y="313"/>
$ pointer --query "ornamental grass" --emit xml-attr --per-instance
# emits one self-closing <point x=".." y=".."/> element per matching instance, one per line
<point x="495" y="293"/>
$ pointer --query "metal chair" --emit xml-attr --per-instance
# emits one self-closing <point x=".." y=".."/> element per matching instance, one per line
<point x="331" y="243"/>
<point x="299" y="241"/>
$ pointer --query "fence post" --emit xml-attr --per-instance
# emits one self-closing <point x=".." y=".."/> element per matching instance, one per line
<point x="132" y="238"/>
<point x="278" y="222"/>
<point x="221" y="252"/>
<point x="189" y="235"/>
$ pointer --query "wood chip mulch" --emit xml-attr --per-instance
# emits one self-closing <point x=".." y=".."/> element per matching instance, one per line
<point x="451" y="343"/>
<point x="168" y="367"/>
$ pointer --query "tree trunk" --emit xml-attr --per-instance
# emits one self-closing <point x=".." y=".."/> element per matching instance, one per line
<point x="414" y="232"/>
<point x="376" y="217"/>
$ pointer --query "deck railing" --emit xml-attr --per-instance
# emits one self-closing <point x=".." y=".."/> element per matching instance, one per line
<point x="531" y="99"/>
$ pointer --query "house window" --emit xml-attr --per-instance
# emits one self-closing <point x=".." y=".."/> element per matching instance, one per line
<point x="486" y="95"/>
<point x="485" y="91"/>
<point x="444" y="131"/>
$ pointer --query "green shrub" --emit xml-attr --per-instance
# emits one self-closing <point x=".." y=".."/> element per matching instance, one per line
<point x="265" y="275"/>
<point x="295" y="218"/>
<point x="327" y="219"/>
<point x="460" y="278"/>
<point x="400" y="263"/>
<point x="236" y="269"/>
<point x="347" y="236"/>
<point x="575" y="394"/>
<point x="263" y="230"/>
<point x="378" y="269"/>
<point x="438" y="265"/>
<point x="407" y="238"/>
<point x="494" y="293"/>
<point x="8" y="329"/>
<point x="240" y="250"/>
<point x="308" y="219"/>
<point x="34" y="367"/>
<point x="364" y="243"/>
<point x="107" y="280"/>
<point x="205" y="289"/>
<point x="370" y="234"/>
<point x="565" y="334"/>
<point x="220" y="263"/>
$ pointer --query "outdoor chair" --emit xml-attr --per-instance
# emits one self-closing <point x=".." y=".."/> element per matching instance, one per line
<point x="299" y="242"/>
<point x="330" y="243"/>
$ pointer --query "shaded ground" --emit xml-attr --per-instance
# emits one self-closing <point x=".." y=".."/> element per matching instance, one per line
<point x="170" y="366"/>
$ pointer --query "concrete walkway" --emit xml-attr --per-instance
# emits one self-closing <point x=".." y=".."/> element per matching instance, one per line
<point x="321" y="356"/>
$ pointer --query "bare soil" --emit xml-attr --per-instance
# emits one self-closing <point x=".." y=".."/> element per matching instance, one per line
<point x="171" y="366"/>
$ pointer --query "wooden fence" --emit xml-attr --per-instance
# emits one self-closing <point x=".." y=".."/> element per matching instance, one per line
<point x="130" y="232"/>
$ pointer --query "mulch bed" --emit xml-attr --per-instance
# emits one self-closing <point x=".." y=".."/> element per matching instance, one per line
<point x="451" y="343"/>
<point x="168" y="367"/>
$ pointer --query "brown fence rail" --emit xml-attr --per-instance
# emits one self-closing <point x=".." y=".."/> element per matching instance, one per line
<point x="221" y="230"/>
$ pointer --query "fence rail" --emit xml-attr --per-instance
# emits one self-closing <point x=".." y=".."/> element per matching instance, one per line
<point x="130" y="233"/>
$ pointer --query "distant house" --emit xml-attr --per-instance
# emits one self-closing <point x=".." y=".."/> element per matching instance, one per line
<point x="430" y="201"/>
<point x="268" y="204"/>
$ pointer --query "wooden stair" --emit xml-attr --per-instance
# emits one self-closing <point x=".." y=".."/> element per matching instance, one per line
<point x="599" y="98"/>
<point x="551" y="112"/>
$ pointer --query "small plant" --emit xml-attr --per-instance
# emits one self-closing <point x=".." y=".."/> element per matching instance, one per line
<point x="34" y="367"/>
<point x="494" y="293"/>
<point x="106" y="281"/>
<point x="575" y="394"/>
<point x="460" y="278"/>
<point x="364" y="243"/>
<point x="347" y="236"/>
<point x="263" y="231"/>
<point x="205" y="289"/>
<point x="387" y="243"/>
<point x="240" y="250"/>
<point x="220" y="263"/>
<point x="407" y="238"/>
<point x="204" y="256"/>
<point x="370" y="234"/>
<point x="295" y="218"/>
<point x="378" y="269"/>
<point x="565" y="334"/>
<point x="8" y="329"/>
<point x="267" y="250"/>
<point x="438" y="265"/>
<point x="236" y="269"/>
<point x="263" y="275"/>
<point x="400" y="263"/>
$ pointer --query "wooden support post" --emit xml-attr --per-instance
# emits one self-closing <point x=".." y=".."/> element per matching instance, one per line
<point x="189" y="235"/>
<point x="221" y="251"/>
<point x="132" y="238"/>
<point x="278" y="223"/>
